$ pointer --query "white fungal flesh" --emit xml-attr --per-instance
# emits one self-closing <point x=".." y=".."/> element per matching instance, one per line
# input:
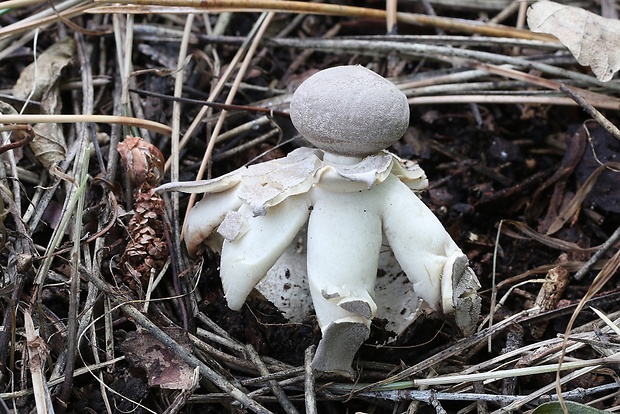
<point x="419" y="241"/>
<point x="358" y="194"/>
<point x="215" y="185"/>
<point x="245" y="261"/>
<point x="206" y="216"/>
<point x="344" y="239"/>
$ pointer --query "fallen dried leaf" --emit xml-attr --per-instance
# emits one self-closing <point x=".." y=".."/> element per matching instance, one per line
<point x="593" y="40"/>
<point x="41" y="75"/>
<point x="42" y="79"/>
<point x="48" y="144"/>
<point x="163" y="367"/>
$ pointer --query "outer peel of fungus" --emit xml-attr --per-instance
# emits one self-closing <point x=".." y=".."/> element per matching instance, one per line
<point x="259" y="186"/>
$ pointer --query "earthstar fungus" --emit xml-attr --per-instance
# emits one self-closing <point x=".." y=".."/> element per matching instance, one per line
<point x="354" y="195"/>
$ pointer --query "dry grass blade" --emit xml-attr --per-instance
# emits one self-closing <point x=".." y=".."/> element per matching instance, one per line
<point x="81" y="174"/>
<point x="37" y="354"/>
<point x="70" y="119"/>
<point x="607" y="321"/>
<point x="573" y="207"/>
<point x="453" y="350"/>
<point x="261" y="26"/>
<point x="62" y="12"/>
<point x="545" y="239"/>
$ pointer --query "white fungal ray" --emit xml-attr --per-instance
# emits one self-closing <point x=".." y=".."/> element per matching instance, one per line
<point x="202" y="220"/>
<point x="253" y="215"/>
<point x="246" y="260"/>
<point x="342" y="262"/>
<point x="419" y="241"/>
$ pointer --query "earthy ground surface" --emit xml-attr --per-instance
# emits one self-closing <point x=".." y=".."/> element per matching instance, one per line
<point x="521" y="177"/>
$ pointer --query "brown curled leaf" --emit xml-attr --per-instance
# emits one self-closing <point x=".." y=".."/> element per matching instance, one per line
<point x="163" y="367"/>
<point x="49" y="145"/>
<point x="575" y="204"/>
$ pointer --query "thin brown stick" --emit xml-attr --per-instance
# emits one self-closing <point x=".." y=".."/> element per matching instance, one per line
<point x="309" y="381"/>
<point x="591" y="110"/>
<point x="503" y="99"/>
<point x="276" y="389"/>
<point x="216" y="105"/>
<point x="28" y="137"/>
<point x="600" y="99"/>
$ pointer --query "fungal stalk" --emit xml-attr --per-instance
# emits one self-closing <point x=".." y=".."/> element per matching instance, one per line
<point x="353" y="194"/>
